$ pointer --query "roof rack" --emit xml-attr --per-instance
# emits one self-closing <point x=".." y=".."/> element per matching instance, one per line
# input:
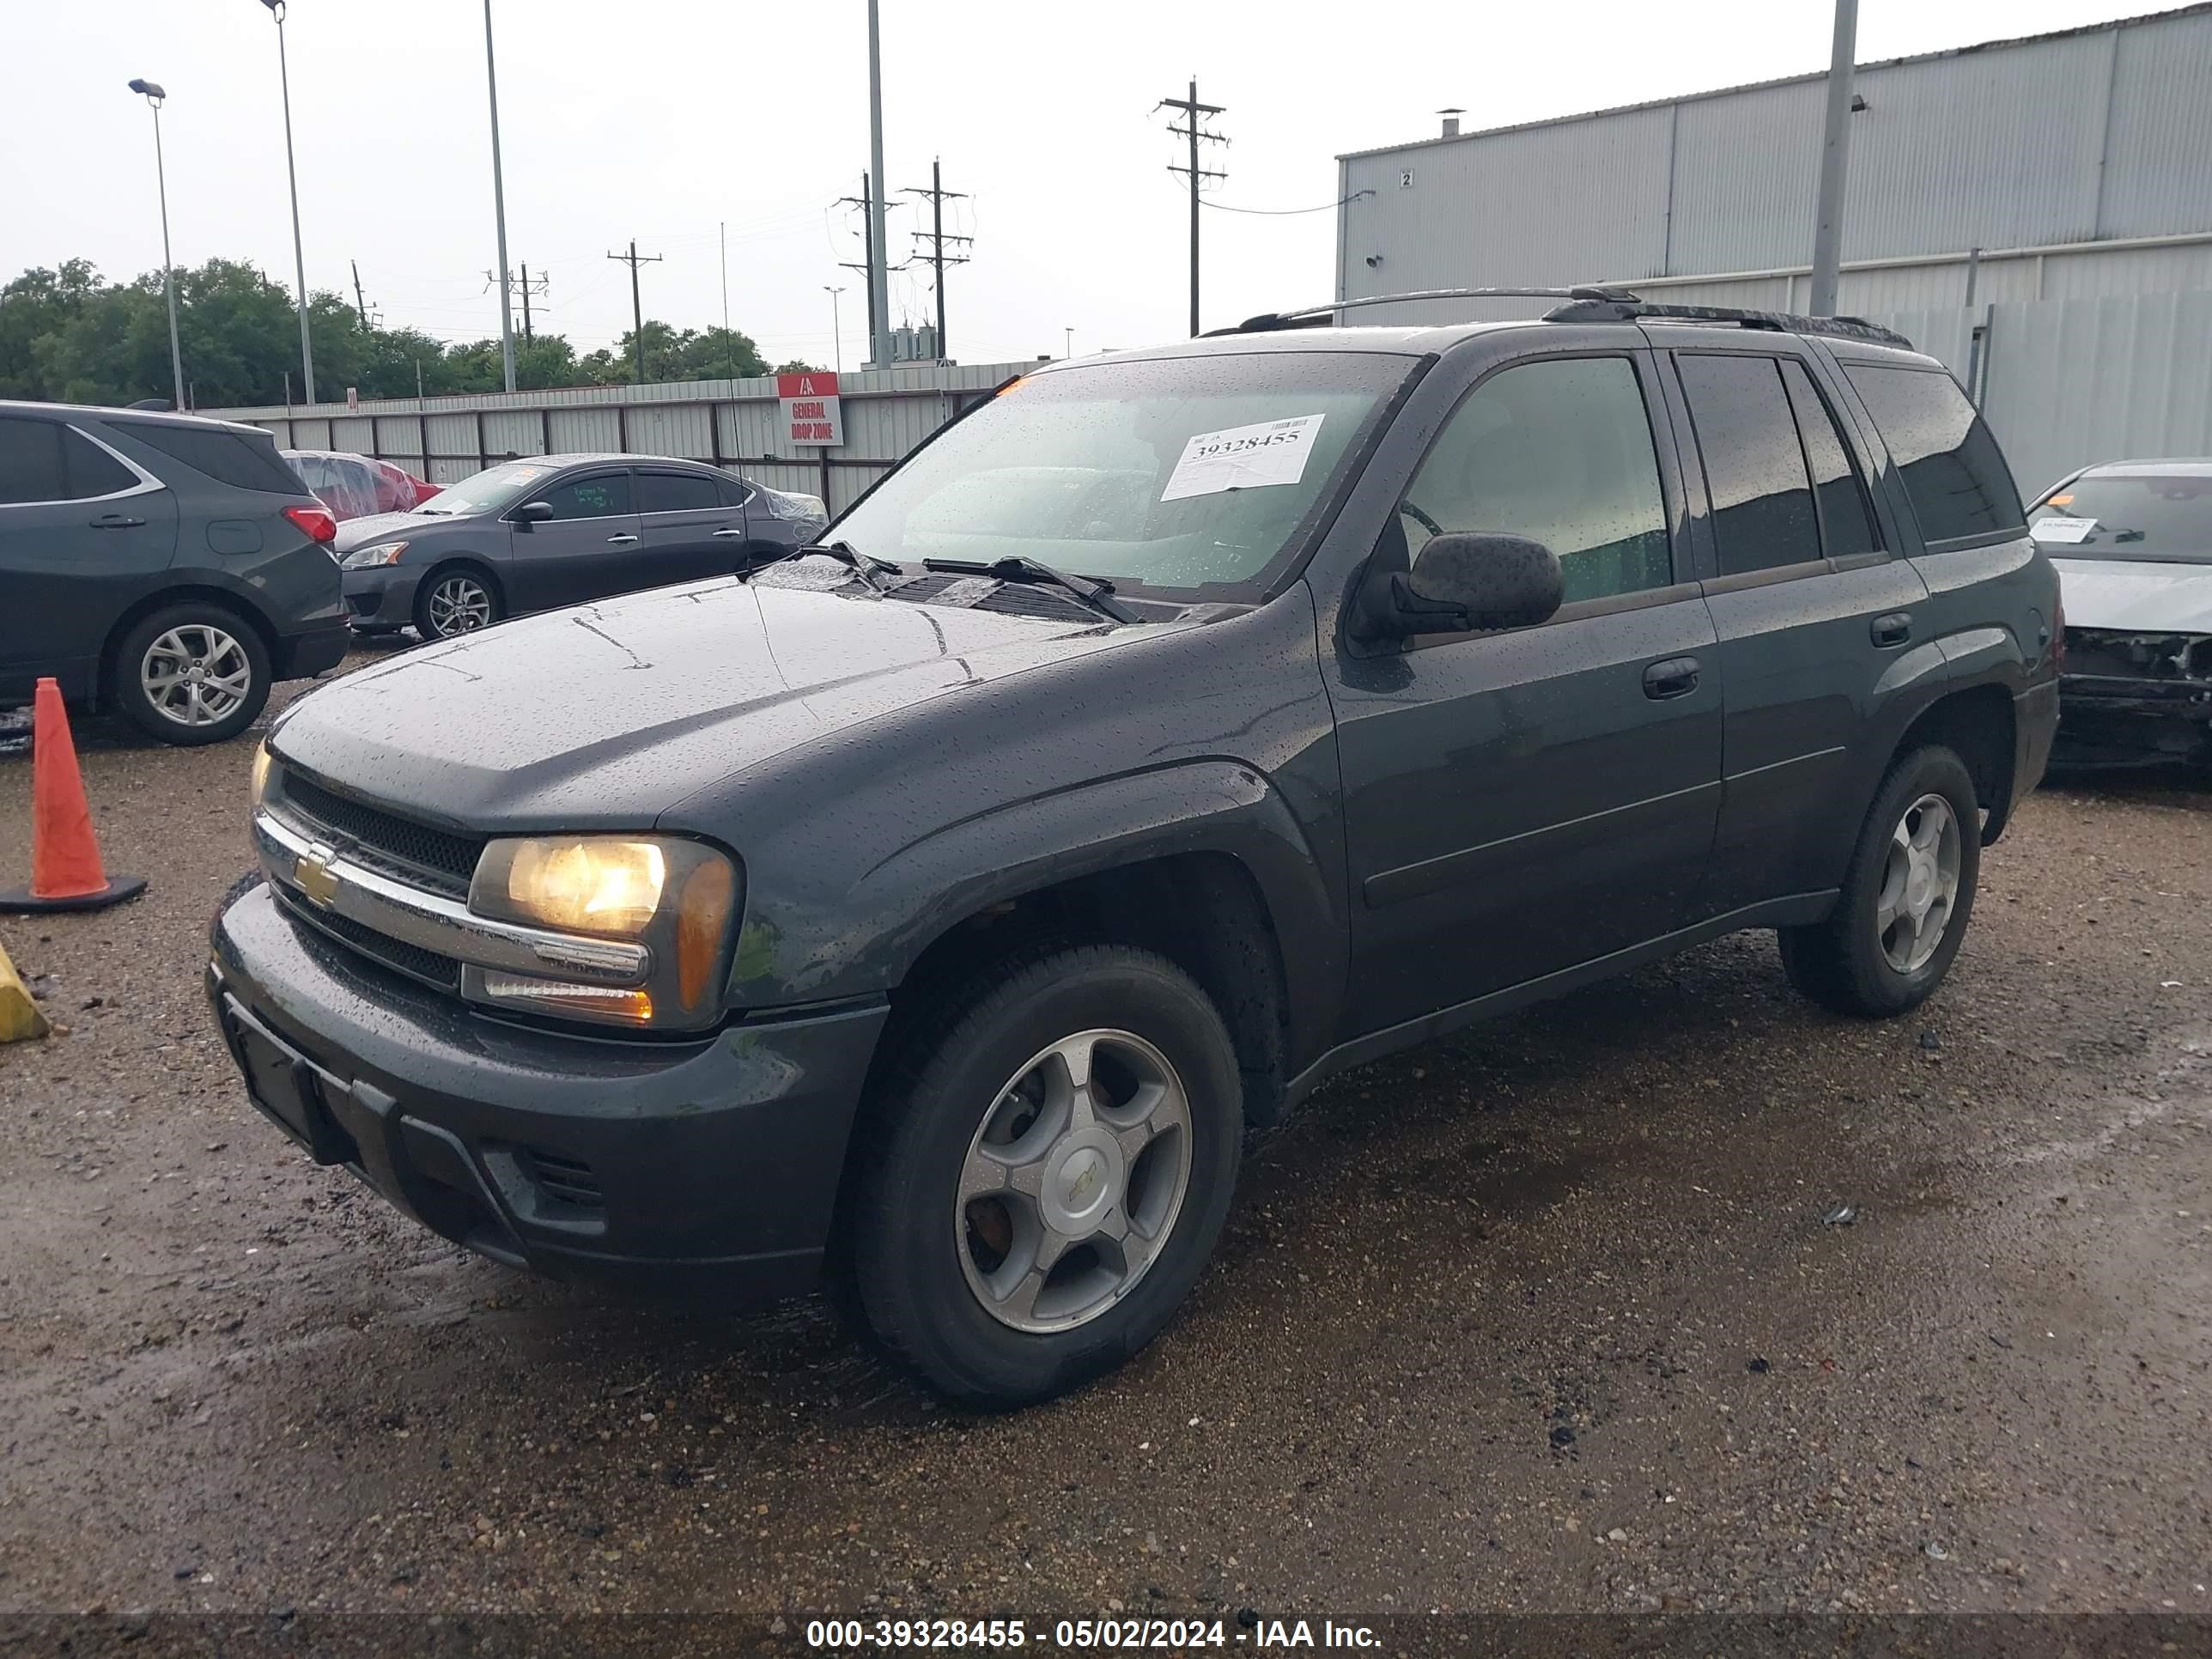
<point x="1324" y="316"/>
<point x="1627" y="308"/>
<point x="1584" y="305"/>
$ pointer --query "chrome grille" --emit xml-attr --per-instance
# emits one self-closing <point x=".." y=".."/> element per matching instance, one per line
<point x="437" y="859"/>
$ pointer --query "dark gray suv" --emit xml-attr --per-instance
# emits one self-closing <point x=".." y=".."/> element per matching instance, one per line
<point x="555" y="529"/>
<point x="935" y="910"/>
<point x="164" y="565"/>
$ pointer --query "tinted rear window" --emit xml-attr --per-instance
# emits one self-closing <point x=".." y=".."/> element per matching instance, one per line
<point x="31" y="461"/>
<point x="674" y="492"/>
<point x="1763" y="513"/>
<point x="91" y="470"/>
<point x="230" y="458"/>
<point x="1954" y="474"/>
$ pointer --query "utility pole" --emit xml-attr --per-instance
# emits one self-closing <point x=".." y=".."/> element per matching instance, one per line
<point x="360" y="305"/>
<point x="937" y="256"/>
<point x="637" y="305"/>
<point x="526" y="302"/>
<point x="879" y="292"/>
<point x="1194" y="114"/>
<point x="525" y="285"/>
<point x="499" y="211"/>
<point x="872" y="221"/>
<point x="1835" y="155"/>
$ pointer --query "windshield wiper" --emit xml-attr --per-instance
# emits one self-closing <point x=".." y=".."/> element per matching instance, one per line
<point x="1019" y="568"/>
<point x="870" y="569"/>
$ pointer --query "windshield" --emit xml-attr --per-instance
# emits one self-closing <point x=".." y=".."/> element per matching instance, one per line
<point x="2163" y="517"/>
<point x="489" y="491"/>
<point x="1176" y="474"/>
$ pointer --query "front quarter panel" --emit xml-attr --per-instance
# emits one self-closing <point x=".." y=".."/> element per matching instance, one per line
<point x="864" y="846"/>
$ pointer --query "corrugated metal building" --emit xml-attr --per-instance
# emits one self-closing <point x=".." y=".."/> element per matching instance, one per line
<point x="2080" y="164"/>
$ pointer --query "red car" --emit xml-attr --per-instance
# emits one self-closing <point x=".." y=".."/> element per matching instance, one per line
<point x="359" y="486"/>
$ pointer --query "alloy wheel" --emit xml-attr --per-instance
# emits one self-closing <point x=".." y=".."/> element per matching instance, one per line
<point x="1072" y="1184"/>
<point x="459" y="604"/>
<point x="195" y="674"/>
<point x="1919" y="883"/>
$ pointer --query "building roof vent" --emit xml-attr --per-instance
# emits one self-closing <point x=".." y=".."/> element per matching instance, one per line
<point x="1451" y="121"/>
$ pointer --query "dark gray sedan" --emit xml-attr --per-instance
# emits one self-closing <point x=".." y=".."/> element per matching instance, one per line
<point x="555" y="529"/>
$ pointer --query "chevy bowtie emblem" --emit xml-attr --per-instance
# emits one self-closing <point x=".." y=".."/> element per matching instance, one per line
<point x="314" y="876"/>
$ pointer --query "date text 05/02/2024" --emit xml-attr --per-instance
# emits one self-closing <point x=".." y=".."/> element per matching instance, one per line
<point x="1109" y="1635"/>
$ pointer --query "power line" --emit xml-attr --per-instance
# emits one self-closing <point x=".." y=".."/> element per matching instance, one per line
<point x="936" y="235"/>
<point x="1224" y="207"/>
<point x="878" y="327"/>
<point x="637" y="305"/>
<point x="1194" y="129"/>
<point x="525" y="285"/>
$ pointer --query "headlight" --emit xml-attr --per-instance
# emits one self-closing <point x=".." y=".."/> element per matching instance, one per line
<point x="260" y="773"/>
<point x="364" y="558"/>
<point x="678" y="898"/>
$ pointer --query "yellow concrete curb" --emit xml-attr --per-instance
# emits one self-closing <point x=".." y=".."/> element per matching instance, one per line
<point x="19" y="1015"/>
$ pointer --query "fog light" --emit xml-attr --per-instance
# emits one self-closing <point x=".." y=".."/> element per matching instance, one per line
<point x="606" y="1002"/>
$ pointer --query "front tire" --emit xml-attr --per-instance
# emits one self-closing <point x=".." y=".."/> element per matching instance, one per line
<point x="456" y="599"/>
<point x="1906" y="897"/>
<point x="189" y="674"/>
<point x="1044" y="1174"/>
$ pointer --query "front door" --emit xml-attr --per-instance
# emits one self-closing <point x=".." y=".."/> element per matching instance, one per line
<point x="689" y="533"/>
<point x="1812" y="610"/>
<point x="1520" y="803"/>
<point x="586" y="550"/>
<point x="82" y="534"/>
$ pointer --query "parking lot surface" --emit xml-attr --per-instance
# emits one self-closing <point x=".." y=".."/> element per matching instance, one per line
<point x="1558" y="1315"/>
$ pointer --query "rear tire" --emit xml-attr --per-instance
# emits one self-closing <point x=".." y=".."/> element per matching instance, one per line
<point x="980" y="1159"/>
<point x="189" y="674"/>
<point x="455" y="600"/>
<point x="1874" y="955"/>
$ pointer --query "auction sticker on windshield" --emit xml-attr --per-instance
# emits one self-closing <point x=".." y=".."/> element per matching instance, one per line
<point x="1243" y="457"/>
<point x="2063" y="530"/>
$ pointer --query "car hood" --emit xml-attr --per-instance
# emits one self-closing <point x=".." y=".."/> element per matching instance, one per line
<point x="378" y="527"/>
<point x="606" y="715"/>
<point x="2138" y="596"/>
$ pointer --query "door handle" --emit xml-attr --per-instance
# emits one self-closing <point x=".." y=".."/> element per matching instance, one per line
<point x="1677" y="677"/>
<point x="620" y="541"/>
<point x="115" y="521"/>
<point x="1892" y="628"/>
<point x="728" y="535"/>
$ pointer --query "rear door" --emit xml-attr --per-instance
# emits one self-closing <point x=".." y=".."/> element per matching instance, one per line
<point x="83" y="533"/>
<point x="586" y="550"/>
<point x="1520" y="803"/>
<point x="1812" y="605"/>
<point x="688" y="531"/>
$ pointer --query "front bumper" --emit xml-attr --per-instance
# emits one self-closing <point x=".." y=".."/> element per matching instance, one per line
<point x="2106" y="720"/>
<point x="382" y="596"/>
<point x="710" y="1166"/>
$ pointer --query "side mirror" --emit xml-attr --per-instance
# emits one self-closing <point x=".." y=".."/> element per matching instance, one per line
<point x="1460" y="583"/>
<point x="531" y="513"/>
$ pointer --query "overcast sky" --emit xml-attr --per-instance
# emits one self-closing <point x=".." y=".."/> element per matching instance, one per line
<point x="662" y="119"/>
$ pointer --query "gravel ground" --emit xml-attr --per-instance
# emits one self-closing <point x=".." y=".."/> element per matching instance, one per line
<point x="1548" y="1318"/>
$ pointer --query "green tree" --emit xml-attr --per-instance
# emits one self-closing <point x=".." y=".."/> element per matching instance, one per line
<point x="797" y="366"/>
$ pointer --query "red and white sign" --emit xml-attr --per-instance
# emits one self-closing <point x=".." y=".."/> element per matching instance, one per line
<point x="811" y="412"/>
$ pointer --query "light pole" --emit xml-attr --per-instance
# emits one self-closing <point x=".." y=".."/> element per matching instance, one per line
<point x="499" y="214"/>
<point x="151" y="91"/>
<point x="1835" y="162"/>
<point x="292" y="171"/>
<point x="1068" y="350"/>
<point x="879" y="303"/>
<point x="837" y="329"/>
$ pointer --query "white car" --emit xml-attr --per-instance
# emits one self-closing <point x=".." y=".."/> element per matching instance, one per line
<point x="2132" y="543"/>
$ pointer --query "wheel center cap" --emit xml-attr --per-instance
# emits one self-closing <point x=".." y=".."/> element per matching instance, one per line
<point x="1083" y="1182"/>
<point x="1918" y="886"/>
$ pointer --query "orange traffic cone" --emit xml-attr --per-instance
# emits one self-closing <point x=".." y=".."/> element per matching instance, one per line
<point x="65" y="872"/>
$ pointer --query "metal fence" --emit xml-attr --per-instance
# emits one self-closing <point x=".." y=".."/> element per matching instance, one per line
<point x="733" y="424"/>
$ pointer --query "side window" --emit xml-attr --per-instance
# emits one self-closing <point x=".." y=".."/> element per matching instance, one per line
<point x="90" y="471"/>
<point x="1954" y="474"/>
<point x="1762" y="516"/>
<point x="674" y="492"/>
<point x="249" y="461"/>
<point x="734" y="493"/>
<point x="31" y="461"/>
<point x="1559" y="450"/>
<point x="1846" y="525"/>
<point x="601" y="496"/>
